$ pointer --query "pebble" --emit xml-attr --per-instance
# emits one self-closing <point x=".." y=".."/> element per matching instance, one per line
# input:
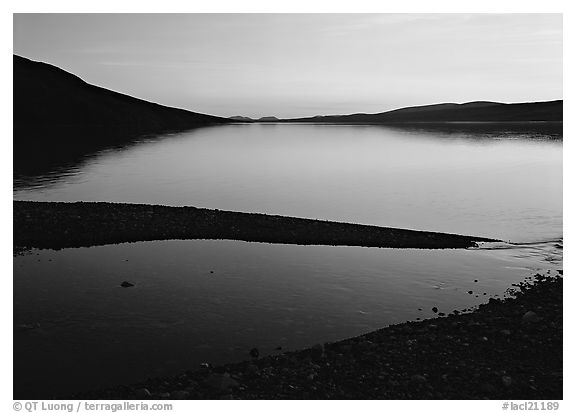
<point x="419" y="379"/>
<point x="126" y="284"/>
<point x="530" y="317"/>
<point x="142" y="393"/>
<point x="254" y="352"/>
<point x="507" y="381"/>
<point x="435" y="309"/>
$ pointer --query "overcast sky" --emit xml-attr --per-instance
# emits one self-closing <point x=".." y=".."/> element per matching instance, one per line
<point x="291" y="65"/>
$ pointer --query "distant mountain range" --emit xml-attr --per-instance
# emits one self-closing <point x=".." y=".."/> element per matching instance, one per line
<point x="550" y="111"/>
<point x="241" y="119"/>
<point x="247" y="119"/>
<point x="452" y="112"/>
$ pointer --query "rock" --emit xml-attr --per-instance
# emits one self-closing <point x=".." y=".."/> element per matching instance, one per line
<point x="435" y="309"/>
<point x="507" y="381"/>
<point x="180" y="395"/>
<point x="505" y="332"/>
<point x="470" y="292"/>
<point x="530" y="317"/>
<point x="126" y="284"/>
<point x="254" y="353"/>
<point x="418" y="379"/>
<point x="142" y="393"/>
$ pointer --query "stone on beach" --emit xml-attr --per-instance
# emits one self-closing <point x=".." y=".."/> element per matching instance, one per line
<point x="530" y="317"/>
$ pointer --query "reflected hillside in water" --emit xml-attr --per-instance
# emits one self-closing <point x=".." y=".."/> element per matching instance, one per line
<point x="39" y="161"/>
<point x="486" y="130"/>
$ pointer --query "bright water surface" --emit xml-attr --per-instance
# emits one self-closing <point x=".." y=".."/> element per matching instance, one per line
<point x="212" y="301"/>
<point x="500" y="184"/>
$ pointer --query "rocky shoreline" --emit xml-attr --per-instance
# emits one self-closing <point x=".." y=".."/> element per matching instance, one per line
<point x="57" y="225"/>
<point x="505" y="349"/>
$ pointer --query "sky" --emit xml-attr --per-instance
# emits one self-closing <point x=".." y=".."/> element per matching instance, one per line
<point x="292" y="65"/>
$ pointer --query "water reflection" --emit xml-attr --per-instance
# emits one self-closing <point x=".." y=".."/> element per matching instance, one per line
<point x="46" y="156"/>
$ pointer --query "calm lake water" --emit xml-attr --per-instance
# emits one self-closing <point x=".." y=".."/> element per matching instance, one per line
<point x="499" y="183"/>
<point x="212" y="301"/>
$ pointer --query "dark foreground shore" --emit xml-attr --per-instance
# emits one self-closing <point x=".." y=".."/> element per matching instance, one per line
<point x="83" y="224"/>
<point x="505" y="349"/>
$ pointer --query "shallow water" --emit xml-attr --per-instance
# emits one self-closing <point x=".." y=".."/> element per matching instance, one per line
<point x="498" y="182"/>
<point x="212" y="301"/>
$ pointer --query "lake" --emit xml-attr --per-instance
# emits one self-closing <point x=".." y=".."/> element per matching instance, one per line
<point x="212" y="301"/>
<point x="498" y="183"/>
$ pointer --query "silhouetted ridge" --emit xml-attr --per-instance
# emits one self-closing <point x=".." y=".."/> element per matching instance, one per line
<point x="45" y="95"/>
<point x="241" y="118"/>
<point x="454" y="112"/>
<point x="59" y="118"/>
<point x="268" y="119"/>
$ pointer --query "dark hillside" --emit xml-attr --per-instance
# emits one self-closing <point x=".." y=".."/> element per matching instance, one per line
<point x="454" y="112"/>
